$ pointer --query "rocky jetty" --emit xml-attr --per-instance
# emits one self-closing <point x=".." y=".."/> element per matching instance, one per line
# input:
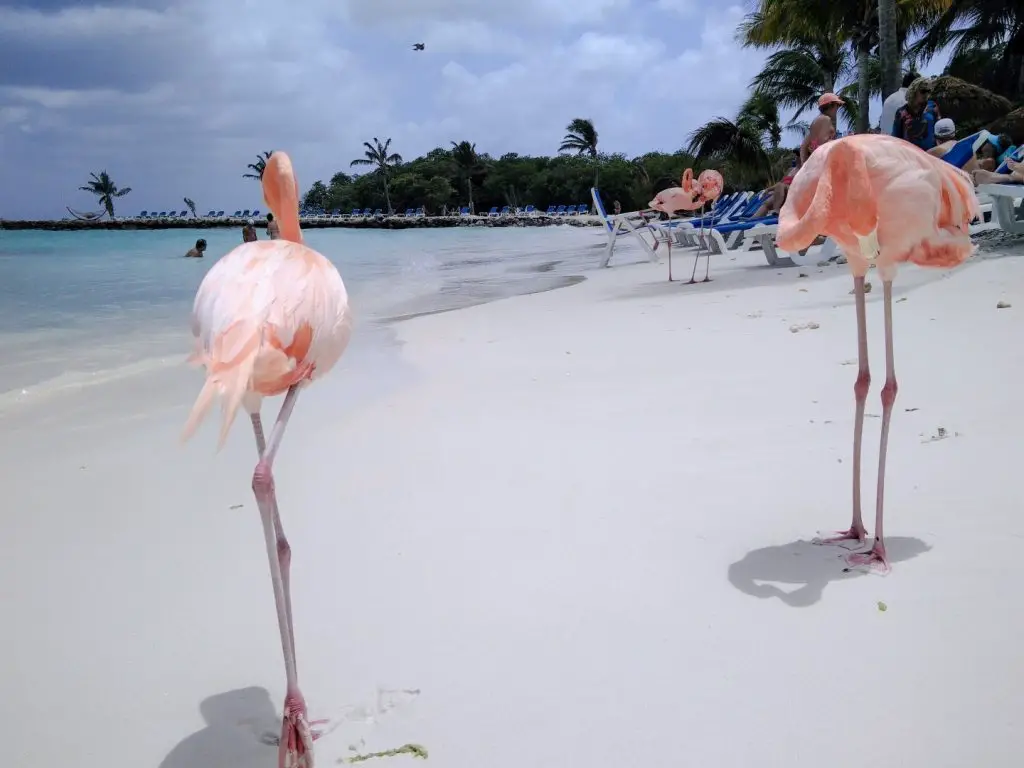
<point x="381" y="222"/>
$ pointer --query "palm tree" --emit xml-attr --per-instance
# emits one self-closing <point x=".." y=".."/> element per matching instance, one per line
<point x="581" y="138"/>
<point x="191" y="206"/>
<point x="888" y="47"/>
<point x="854" y="23"/>
<point x="986" y="37"/>
<point x="467" y="162"/>
<point x="796" y="76"/>
<point x="376" y="154"/>
<point x="105" y="189"/>
<point x="258" y="167"/>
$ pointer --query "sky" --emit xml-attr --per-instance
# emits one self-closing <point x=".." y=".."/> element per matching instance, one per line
<point x="174" y="98"/>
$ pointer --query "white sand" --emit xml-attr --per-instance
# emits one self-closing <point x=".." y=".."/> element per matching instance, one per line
<point x="578" y="533"/>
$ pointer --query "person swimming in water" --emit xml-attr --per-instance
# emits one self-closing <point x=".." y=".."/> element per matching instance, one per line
<point x="197" y="251"/>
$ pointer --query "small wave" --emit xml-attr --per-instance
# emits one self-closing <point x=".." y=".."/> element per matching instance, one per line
<point x="69" y="381"/>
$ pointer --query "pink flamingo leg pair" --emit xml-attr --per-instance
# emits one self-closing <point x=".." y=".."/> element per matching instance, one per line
<point x="875" y="554"/>
<point x="296" y="741"/>
<point x="885" y="202"/>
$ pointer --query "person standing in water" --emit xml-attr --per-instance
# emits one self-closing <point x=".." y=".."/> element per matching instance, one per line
<point x="249" y="232"/>
<point x="272" y="231"/>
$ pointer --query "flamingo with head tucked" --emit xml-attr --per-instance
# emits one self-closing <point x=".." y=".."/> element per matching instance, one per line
<point x="884" y="202"/>
<point x="709" y="186"/>
<point x="270" y="317"/>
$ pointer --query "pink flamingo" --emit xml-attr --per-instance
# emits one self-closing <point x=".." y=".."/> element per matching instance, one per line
<point x="883" y="201"/>
<point x="270" y="317"/>
<point x="710" y="185"/>
<point x="672" y="199"/>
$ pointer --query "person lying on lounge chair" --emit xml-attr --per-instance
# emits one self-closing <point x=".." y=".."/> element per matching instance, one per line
<point x="1015" y="176"/>
<point x="990" y="154"/>
<point x="774" y="202"/>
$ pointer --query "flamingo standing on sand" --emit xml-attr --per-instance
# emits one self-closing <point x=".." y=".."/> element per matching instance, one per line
<point x="710" y="184"/>
<point x="883" y="201"/>
<point x="690" y="196"/>
<point x="270" y="317"/>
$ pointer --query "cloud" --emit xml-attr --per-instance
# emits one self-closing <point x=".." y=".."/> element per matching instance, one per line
<point x="174" y="97"/>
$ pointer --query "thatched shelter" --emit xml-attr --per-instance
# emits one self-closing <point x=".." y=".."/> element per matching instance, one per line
<point x="970" y="106"/>
<point x="1013" y="124"/>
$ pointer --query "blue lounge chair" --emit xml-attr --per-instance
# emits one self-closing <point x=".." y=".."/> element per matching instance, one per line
<point x="142" y="215"/>
<point x="550" y="211"/>
<point x="962" y="151"/>
<point x="529" y="210"/>
<point x="493" y="211"/>
<point x="464" y="211"/>
<point x="570" y="211"/>
<point x="560" y="210"/>
<point x="582" y="210"/>
<point x="255" y="213"/>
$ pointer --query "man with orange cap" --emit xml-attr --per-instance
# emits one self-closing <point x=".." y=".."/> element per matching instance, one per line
<point x="823" y="127"/>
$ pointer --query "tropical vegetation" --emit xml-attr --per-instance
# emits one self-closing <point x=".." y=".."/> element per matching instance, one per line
<point x="105" y="190"/>
<point x="256" y="169"/>
<point x="859" y="49"/>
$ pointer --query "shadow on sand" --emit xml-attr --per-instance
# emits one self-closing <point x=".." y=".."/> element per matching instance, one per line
<point x="810" y="567"/>
<point x="235" y="724"/>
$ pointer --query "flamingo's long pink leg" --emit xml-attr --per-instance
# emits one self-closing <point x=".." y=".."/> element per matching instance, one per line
<point x="876" y="555"/>
<point x="295" y="747"/>
<point x="284" y="550"/>
<point x="856" y="531"/>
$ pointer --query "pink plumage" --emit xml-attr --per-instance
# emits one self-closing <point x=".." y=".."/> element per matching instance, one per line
<point x="883" y="201"/>
<point x="269" y="314"/>
<point x="868" y="185"/>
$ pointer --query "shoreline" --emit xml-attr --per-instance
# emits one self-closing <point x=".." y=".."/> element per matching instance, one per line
<point x="518" y="546"/>
<point x="384" y="222"/>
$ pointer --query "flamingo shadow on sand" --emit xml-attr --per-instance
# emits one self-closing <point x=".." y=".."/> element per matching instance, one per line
<point x="233" y="736"/>
<point x="806" y="566"/>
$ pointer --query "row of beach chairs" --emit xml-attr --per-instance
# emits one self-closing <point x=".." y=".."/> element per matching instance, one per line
<point x="245" y="214"/>
<point x="732" y="227"/>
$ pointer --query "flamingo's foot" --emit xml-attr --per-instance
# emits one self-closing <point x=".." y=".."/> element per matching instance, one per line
<point x="295" y="743"/>
<point x="873" y="559"/>
<point x="706" y="280"/>
<point x="853" y="534"/>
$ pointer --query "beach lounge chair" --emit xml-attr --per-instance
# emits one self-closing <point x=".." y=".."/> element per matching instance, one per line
<point x="493" y="211"/>
<point x="550" y="211"/>
<point x="142" y="215"/>
<point x="211" y="214"/>
<point x="504" y="211"/>
<point x="619" y="224"/>
<point x="464" y="211"/>
<point x="378" y="212"/>
<point x="582" y="210"/>
<point x="236" y="214"/>
<point x="570" y="211"/>
<point x="560" y="210"/>
<point x="1006" y="205"/>
<point x="530" y="211"/>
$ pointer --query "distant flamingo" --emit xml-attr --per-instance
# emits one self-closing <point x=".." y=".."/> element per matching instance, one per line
<point x="682" y="198"/>
<point x="270" y="317"/>
<point x="883" y="201"/>
<point x="710" y="185"/>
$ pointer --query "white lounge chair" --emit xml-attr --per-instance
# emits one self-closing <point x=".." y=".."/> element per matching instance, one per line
<point x="620" y="224"/>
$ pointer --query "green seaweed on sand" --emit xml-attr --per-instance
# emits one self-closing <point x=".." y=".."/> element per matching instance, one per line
<point x="415" y="750"/>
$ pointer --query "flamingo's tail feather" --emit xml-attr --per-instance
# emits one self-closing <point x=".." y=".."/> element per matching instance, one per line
<point x="229" y="368"/>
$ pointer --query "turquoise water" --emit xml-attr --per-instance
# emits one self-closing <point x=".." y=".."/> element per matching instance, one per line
<point x="82" y="308"/>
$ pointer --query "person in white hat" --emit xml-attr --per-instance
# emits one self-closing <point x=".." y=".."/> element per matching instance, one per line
<point x="945" y="137"/>
<point x="249" y="232"/>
